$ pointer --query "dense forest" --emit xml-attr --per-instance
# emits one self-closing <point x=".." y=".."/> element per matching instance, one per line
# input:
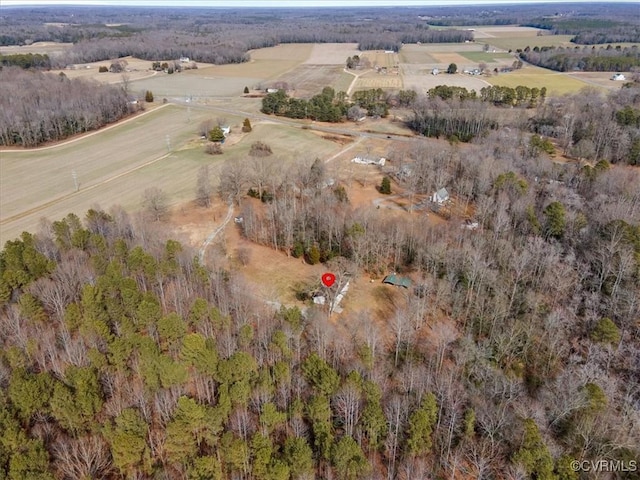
<point x="38" y="107"/>
<point x="588" y="59"/>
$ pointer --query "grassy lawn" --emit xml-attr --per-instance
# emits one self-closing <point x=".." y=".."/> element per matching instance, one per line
<point x="556" y="83"/>
<point x="342" y="82"/>
<point x="485" y="56"/>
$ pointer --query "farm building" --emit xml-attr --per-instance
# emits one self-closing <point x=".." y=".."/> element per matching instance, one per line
<point x="394" y="279"/>
<point x="184" y="60"/>
<point x="618" y="77"/>
<point x="440" y="197"/>
<point x="435" y="71"/>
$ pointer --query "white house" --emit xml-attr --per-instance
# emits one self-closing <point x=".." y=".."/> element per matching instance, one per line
<point x="225" y="130"/>
<point x="369" y="161"/>
<point x="618" y="77"/>
<point x="440" y="197"/>
<point x="435" y="71"/>
<point x="184" y="60"/>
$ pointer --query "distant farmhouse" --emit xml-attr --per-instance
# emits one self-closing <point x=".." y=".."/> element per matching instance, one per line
<point x="435" y="71"/>
<point x="619" y="77"/>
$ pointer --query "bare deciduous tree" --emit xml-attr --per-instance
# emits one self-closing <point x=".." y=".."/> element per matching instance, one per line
<point x="155" y="203"/>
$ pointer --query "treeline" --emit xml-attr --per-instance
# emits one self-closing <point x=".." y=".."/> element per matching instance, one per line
<point x="330" y="106"/>
<point x="157" y="46"/>
<point x="26" y="60"/>
<point x="451" y="120"/>
<point x="324" y="107"/>
<point x="628" y="33"/>
<point x="590" y="31"/>
<point x="590" y="59"/>
<point x="591" y="126"/>
<point x="39" y="107"/>
<point x="521" y="96"/>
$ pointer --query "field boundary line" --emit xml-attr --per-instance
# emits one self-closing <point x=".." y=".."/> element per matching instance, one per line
<point x="83" y="135"/>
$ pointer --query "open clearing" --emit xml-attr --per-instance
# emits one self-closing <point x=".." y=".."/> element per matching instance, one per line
<point x="50" y="48"/>
<point x="557" y="83"/>
<point x="332" y="53"/>
<point x="415" y="54"/>
<point x="421" y="80"/>
<point x="506" y="31"/>
<point x="307" y="80"/>
<point x="379" y="58"/>
<point x="445" y="58"/>
<point x="377" y="80"/>
<point x="599" y="79"/>
<point x="488" y="57"/>
<point x="515" y="42"/>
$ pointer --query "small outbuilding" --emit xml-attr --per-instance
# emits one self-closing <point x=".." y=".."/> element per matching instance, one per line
<point x="619" y="77"/>
<point x="440" y="197"/>
<point x="396" y="280"/>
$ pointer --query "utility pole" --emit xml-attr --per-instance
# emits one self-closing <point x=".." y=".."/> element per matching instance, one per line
<point x="168" y="140"/>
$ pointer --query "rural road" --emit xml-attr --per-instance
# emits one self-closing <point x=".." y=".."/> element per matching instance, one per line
<point x="214" y="234"/>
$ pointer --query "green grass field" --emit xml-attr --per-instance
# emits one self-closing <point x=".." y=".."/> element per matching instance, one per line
<point x="487" y="57"/>
<point x="556" y="83"/>
<point x="515" y="42"/>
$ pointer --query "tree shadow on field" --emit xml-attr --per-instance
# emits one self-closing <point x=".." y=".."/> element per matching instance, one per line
<point x="388" y="299"/>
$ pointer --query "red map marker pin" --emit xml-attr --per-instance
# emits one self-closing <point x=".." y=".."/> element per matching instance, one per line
<point x="328" y="279"/>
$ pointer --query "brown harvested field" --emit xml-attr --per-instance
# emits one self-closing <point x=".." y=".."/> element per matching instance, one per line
<point x="379" y="58"/>
<point x="449" y="57"/>
<point x="415" y="54"/>
<point x="377" y="80"/>
<point x="298" y="52"/>
<point x="332" y="53"/>
<point x="201" y="83"/>
<point x="308" y="80"/>
<point x="452" y="47"/>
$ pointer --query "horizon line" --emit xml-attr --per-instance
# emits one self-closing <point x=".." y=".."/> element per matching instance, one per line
<point x="297" y="3"/>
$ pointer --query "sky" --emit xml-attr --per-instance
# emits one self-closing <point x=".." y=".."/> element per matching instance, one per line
<point x="290" y="3"/>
